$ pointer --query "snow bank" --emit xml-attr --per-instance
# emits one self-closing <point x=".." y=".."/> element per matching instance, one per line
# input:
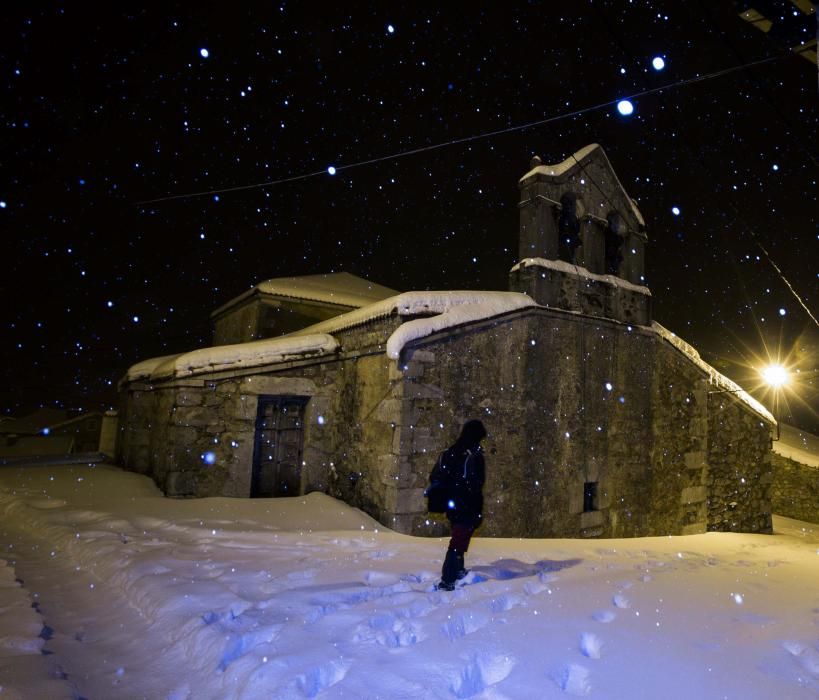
<point x="246" y="599"/>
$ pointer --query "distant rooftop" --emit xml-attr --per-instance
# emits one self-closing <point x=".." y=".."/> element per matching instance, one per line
<point x="340" y="288"/>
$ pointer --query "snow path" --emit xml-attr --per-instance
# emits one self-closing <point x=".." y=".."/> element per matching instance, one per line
<point x="306" y="597"/>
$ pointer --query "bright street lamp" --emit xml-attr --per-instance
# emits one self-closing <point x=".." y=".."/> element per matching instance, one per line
<point x="775" y="376"/>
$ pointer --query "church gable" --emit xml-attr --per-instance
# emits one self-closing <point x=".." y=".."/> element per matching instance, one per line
<point x="582" y="239"/>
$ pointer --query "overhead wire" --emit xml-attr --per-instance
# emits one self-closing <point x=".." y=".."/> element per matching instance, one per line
<point x="466" y="139"/>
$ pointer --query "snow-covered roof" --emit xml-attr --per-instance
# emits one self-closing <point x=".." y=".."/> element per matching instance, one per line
<point x="563" y="266"/>
<point x="489" y="304"/>
<point x="446" y="309"/>
<point x="340" y="288"/>
<point x="714" y="377"/>
<point x="146" y="368"/>
<point x="228" y="357"/>
<point x="798" y="445"/>
<point x="557" y="169"/>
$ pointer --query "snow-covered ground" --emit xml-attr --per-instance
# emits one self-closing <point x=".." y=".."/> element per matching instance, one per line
<point x="138" y="596"/>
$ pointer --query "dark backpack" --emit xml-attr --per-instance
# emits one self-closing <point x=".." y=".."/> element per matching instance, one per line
<point x="442" y="484"/>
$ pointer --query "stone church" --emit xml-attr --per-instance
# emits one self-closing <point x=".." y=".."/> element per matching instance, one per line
<point x="601" y="422"/>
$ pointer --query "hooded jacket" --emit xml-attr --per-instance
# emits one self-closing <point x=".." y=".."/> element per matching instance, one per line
<point x="465" y="459"/>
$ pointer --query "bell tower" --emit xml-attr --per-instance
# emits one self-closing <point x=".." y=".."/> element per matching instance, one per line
<point x="582" y="240"/>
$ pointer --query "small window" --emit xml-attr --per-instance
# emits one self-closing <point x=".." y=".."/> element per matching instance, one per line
<point x="589" y="496"/>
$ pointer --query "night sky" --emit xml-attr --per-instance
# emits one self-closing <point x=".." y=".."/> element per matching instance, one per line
<point x="107" y="106"/>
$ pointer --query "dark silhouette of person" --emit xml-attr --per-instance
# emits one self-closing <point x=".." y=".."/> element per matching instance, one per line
<point x="465" y="461"/>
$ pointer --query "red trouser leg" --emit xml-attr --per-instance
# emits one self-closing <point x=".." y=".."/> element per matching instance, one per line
<point x="461" y="536"/>
<point x="454" y="560"/>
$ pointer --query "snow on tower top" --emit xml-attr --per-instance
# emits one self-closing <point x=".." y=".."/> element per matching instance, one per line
<point x="578" y="162"/>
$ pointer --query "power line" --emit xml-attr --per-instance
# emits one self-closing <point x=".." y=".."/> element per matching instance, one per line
<point x="468" y="139"/>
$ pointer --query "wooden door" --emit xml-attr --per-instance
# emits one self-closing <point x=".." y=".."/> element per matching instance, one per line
<point x="277" y="453"/>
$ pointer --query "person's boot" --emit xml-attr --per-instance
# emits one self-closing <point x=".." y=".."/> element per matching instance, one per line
<point x="461" y="572"/>
<point x="449" y="571"/>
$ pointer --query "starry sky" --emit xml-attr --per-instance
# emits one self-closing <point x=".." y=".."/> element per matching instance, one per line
<point x="109" y="106"/>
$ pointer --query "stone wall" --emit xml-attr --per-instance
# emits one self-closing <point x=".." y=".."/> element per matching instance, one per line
<point x="239" y="325"/>
<point x="568" y="401"/>
<point x="679" y="425"/>
<point x="351" y="419"/>
<point x="739" y="461"/>
<point x="593" y="295"/>
<point x="795" y="489"/>
<point x="571" y="403"/>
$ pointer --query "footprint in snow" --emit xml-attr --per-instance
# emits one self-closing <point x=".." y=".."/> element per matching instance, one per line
<point x="590" y="645"/>
<point x="463" y="623"/>
<point x="322" y="677"/>
<point x="482" y="671"/>
<point x="380" y="578"/>
<point x="574" y="679"/>
<point x="505" y="602"/>
<point x="379" y="554"/>
<point x="389" y="631"/>
<point x="620" y="601"/>
<point x="604" y="616"/>
<point x="807" y="657"/>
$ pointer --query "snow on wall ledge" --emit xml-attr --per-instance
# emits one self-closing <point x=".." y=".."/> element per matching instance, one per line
<point x="425" y="303"/>
<point x="221" y="357"/>
<point x="562" y="266"/>
<point x="482" y="306"/>
<point x="714" y="377"/>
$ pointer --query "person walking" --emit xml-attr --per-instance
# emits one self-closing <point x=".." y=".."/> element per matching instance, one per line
<point x="465" y="463"/>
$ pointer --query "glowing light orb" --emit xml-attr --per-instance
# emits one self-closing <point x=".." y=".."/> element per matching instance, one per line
<point x="775" y="167"/>
<point x="450" y="504"/>
<point x="390" y="29"/>
<point x="782" y="312"/>
<point x="658" y="63"/>
<point x="204" y="53"/>
<point x="209" y="458"/>
<point x="331" y="170"/>
<point x="675" y="211"/>
<point x="775" y="375"/>
<point x="2" y="205"/>
<point x="625" y="107"/>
